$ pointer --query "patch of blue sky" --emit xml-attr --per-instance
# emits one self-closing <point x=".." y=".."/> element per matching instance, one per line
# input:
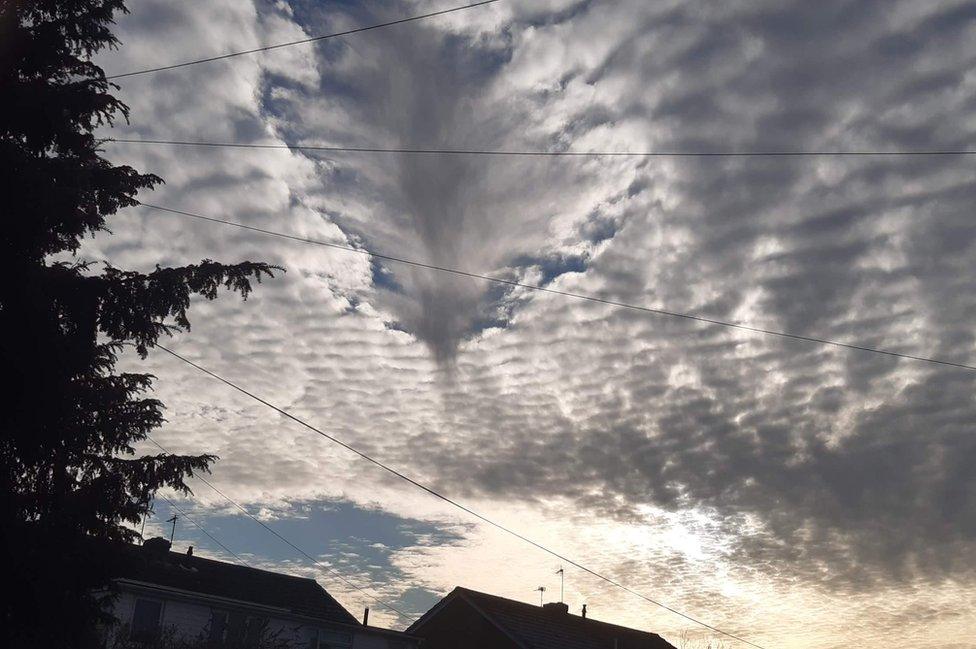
<point x="359" y="543"/>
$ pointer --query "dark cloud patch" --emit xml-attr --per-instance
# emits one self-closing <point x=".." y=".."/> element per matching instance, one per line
<point x="598" y="228"/>
<point x="423" y="94"/>
<point x="846" y="464"/>
<point x="427" y="88"/>
<point x="810" y="467"/>
<point x="891" y="500"/>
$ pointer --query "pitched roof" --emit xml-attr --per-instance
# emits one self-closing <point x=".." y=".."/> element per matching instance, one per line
<point x="298" y="595"/>
<point x="535" y="627"/>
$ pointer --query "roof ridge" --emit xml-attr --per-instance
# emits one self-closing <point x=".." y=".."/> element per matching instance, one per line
<point x="195" y="558"/>
<point x="569" y="616"/>
<point x="214" y="577"/>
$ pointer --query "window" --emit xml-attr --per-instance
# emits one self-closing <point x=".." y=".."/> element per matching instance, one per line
<point x="145" y="620"/>
<point x="218" y="627"/>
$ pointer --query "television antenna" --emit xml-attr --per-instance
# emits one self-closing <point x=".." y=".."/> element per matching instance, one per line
<point x="173" y="533"/>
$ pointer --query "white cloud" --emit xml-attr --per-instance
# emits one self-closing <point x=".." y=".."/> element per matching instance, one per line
<point x="801" y="495"/>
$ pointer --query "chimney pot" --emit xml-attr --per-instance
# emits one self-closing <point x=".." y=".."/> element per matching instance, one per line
<point x="366" y="616"/>
<point x="189" y="551"/>
<point x="584" y="610"/>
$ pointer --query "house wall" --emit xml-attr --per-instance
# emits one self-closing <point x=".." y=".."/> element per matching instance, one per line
<point x="191" y="619"/>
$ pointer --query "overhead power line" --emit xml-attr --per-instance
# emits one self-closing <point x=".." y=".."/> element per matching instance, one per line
<point x="450" y="501"/>
<point x="372" y="597"/>
<point x="578" y="296"/>
<point x="556" y="154"/>
<point x="303" y="41"/>
<point x="204" y="530"/>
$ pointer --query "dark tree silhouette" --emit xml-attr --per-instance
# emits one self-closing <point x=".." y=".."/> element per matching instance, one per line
<point x="69" y="422"/>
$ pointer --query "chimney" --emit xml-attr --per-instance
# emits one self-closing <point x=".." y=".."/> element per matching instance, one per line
<point x="366" y="616"/>
<point x="157" y="545"/>
<point x="189" y="551"/>
<point x="556" y="608"/>
<point x="584" y="610"/>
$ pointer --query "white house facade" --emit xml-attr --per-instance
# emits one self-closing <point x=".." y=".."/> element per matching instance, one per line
<point x="171" y="599"/>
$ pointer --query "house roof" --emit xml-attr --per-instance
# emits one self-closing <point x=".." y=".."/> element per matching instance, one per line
<point x="535" y="627"/>
<point x="160" y="566"/>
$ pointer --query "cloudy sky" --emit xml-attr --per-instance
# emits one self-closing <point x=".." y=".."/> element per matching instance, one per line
<point x="795" y="494"/>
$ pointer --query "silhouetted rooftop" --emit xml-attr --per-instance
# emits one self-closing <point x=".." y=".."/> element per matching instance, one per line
<point x="158" y="565"/>
<point x="535" y="627"/>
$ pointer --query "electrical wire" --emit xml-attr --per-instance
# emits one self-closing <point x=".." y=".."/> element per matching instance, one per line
<point x="561" y="154"/>
<point x="578" y="296"/>
<point x="303" y="41"/>
<point x="373" y="597"/>
<point x="450" y="501"/>
<point x="204" y="530"/>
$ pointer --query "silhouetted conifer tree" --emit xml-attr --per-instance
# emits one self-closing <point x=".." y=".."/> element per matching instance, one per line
<point x="69" y="421"/>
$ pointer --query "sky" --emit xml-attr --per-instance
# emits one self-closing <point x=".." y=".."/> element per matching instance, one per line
<point x="795" y="494"/>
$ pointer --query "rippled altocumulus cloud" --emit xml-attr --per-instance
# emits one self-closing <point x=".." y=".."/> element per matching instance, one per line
<point x="839" y="471"/>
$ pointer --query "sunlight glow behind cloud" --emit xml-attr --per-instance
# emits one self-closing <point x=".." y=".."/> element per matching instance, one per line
<point x="799" y="495"/>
